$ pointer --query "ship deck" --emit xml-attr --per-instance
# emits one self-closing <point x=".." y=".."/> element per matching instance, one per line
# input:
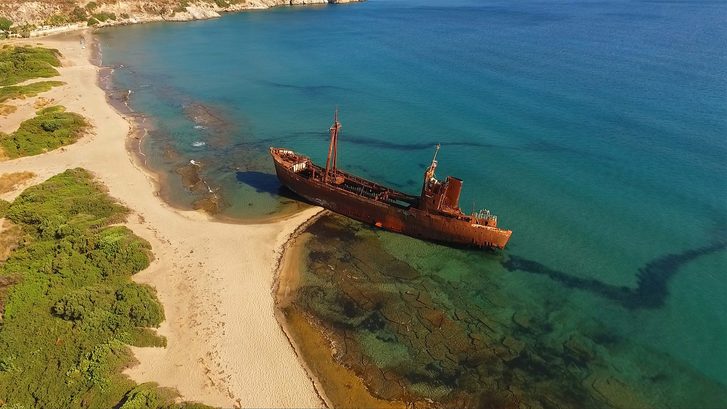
<point x="304" y="167"/>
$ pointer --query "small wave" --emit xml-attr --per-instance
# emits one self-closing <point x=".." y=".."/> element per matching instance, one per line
<point x="197" y="144"/>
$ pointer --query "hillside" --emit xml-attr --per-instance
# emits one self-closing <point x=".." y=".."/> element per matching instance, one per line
<point x="24" y="17"/>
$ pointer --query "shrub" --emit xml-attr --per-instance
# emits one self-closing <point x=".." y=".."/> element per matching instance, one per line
<point x="79" y="304"/>
<point x="62" y="340"/>
<point x="4" y="204"/>
<point x="30" y="90"/>
<point x="56" y="20"/>
<point x="50" y="129"/>
<point x="104" y="16"/>
<point x="139" y="304"/>
<point x="5" y="24"/>
<point x="78" y="14"/>
<point x="23" y="31"/>
<point x="21" y="63"/>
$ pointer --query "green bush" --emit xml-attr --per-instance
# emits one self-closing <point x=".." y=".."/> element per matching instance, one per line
<point x="4" y="204"/>
<point x="23" y="31"/>
<point x="21" y="63"/>
<point x="78" y="14"/>
<point x="104" y="16"/>
<point x="148" y="396"/>
<point x="138" y="303"/>
<point x="24" y="91"/>
<point x="50" y="129"/>
<point x="82" y="303"/>
<point x="5" y="23"/>
<point x="56" y="20"/>
<point x="73" y="309"/>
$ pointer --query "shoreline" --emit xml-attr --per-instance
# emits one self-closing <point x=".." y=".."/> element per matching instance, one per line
<point x="192" y="12"/>
<point x="287" y="272"/>
<point x="225" y="346"/>
<point x="139" y="130"/>
<point x="337" y="385"/>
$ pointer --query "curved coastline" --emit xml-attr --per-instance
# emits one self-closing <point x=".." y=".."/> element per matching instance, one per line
<point x="337" y="385"/>
<point x="138" y="131"/>
<point x="214" y="279"/>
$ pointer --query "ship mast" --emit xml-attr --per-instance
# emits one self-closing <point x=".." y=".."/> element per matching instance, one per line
<point x="429" y="174"/>
<point x="332" y="148"/>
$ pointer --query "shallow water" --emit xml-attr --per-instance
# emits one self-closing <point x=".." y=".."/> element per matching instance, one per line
<point x="421" y="321"/>
<point x="594" y="130"/>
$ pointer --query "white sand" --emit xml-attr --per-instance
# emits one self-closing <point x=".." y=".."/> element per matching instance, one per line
<point x="225" y="347"/>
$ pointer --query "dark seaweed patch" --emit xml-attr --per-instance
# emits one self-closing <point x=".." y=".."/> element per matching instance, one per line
<point x="467" y="344"/>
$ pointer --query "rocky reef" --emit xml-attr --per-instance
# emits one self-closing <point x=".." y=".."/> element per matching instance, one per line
<point x="444" y="337"/>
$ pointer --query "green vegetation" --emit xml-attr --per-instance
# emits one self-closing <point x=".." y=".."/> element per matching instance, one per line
<point x="56" y="20"/>
<point x="224" y="3"/>
<point x="5" y="24"/>
<point x="104" y="16"/>
<point x="77" y="14"/>
<point x="18" y="64"/>
<point x="50" y="129"/>
<point x="23" y="30"/>
<point x="70" y="306"/>
<point x="181" y="7"/>
<point x="30" y="90"/>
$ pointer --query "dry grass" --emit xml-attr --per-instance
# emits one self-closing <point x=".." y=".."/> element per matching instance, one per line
<point x="10" y="235"/>
<point x="7" y="109"/>
<point x="42" y="102"/>
<point x="10" y="181"/>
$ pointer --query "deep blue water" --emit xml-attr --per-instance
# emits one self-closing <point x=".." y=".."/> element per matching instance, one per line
<point x="595" y="130"/>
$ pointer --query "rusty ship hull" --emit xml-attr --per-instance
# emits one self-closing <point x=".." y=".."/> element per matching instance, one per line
<point x="380" y="206"/>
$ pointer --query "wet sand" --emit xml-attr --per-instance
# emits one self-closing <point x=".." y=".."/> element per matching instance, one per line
<point x="339" y="386"/>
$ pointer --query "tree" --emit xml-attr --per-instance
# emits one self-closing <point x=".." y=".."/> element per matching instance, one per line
<point x="5" y="24"/>
<point x="78" y="14"/>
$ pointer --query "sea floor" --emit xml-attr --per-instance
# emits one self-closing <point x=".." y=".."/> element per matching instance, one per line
<point x="424" y="323"/>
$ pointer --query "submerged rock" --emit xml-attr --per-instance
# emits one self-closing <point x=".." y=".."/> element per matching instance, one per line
<point x="413" y="336"/>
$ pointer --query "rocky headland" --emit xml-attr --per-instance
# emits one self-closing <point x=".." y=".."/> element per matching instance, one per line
<point x="23" y="18"/>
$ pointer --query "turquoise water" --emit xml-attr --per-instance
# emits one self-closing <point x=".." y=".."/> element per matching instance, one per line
<point x="594" y="130"/>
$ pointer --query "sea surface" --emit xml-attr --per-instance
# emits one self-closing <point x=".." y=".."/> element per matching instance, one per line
<point x="595" y="130"/>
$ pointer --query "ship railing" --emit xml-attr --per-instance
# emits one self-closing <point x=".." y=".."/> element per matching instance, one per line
<point x="484" y="214"/>
<point x="299" y="167"/>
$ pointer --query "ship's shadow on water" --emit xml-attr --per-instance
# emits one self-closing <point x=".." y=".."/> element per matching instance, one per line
<point x="266" y="183"/>
<point x="309" y="90"/>
<point x="653" y="278"/>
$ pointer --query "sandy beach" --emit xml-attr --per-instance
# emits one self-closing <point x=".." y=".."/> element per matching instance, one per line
<point x="215" y="280"/>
